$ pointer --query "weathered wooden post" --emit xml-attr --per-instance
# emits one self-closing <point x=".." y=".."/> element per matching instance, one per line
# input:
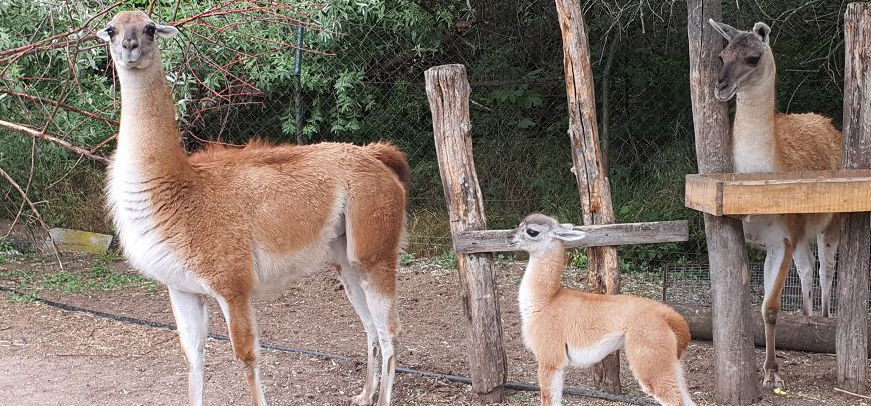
<point x="448" y="92"/>
<point x="853" y="262"/>
<point x="734" y="362"/>
<point x="593" y="184"/>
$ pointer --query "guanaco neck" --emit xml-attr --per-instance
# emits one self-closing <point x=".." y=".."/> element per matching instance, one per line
<point x="542" y="279"/>
<point x="148" y="140"/>
<point x="753" y="143"/>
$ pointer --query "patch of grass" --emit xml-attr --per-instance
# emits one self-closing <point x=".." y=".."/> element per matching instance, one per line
<point x="447" y="259"/>
<point x="405" y="258"/>
<point x="24" y="278"/>
<point x="20" y="299"/>
<point x="100" y="277"/>
<point x="6" y="250"/>
<point x="64" y="281"/>
<point x="109" y="256"/>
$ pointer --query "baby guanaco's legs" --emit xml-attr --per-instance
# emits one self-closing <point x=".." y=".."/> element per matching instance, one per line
<point x="354" y="290"/>
<point x="239" y="315"/>
<point x="550" y="380"/>
<point x="381" y="300"/>
<point x="654" y="363"/>
<point x="192" y="319"/>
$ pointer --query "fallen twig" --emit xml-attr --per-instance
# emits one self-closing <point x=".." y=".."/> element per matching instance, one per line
<point x="853" y="394"/>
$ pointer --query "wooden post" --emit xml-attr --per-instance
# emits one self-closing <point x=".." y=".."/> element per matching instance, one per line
<point x="448" y="92"/>
<point x="853" y="262"/>
<point x="734" y="362"/>
<point x="592" y="177"/>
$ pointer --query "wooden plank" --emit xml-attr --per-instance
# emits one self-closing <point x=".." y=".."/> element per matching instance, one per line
<point x="447" y="89"/>
<point x="598" y="235"/>
<point x="776" y="193"/>
<point x="734" y="358"/>
<point x="704" y="194"/>
<point x="855" y="251"/>
<point x="590" y="172"/>
<point x="78" y="241"/>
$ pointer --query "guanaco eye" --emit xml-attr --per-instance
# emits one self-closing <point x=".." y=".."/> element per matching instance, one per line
<point x="531" y="232"/>
<point x="111" y="31"/>
<point x="150" y="29"/>
<point x="752" y="60"/>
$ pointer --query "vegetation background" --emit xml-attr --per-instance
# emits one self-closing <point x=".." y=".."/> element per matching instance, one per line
<point x="361" y="79"/>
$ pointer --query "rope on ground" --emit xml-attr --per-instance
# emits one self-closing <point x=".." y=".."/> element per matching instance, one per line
<point x="325" y="355"/>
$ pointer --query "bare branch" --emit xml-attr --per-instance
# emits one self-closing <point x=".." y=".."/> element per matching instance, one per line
<point x="53" y="139"/>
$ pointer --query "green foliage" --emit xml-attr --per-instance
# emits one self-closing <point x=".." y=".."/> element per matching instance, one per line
<point x="22" y="299"/>
<point x="446" y="259"/>
<point x="5" y="250"/>
<point x="364" y="82"/>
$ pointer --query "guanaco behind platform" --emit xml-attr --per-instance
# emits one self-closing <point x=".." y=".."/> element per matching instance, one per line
<point x="564" y="327"/>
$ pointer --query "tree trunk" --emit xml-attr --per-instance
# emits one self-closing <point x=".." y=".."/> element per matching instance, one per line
<point x="590" y="171"/>
<point x="734" y="362"/>
<point x="853" y="261"/>
<point x="447" y="89"/>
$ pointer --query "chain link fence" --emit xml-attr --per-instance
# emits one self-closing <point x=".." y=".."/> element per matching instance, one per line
<point x="353" y="72"/>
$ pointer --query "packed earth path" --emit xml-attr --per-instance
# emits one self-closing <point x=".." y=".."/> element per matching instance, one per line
<point x="49" y="356"/>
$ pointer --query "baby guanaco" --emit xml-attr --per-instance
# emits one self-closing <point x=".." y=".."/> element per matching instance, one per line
<point x="564" y="327"/>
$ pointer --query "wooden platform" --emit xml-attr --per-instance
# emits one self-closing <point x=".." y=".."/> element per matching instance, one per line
<point x="777" y="193"/>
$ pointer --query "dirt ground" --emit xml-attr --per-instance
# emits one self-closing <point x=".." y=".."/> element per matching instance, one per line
<point x="54" y="357"/>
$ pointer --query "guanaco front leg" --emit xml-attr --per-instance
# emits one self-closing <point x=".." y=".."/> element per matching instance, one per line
<point x="550" y="380"/>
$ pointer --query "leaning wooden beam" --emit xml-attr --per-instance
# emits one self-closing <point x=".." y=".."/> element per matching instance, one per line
<point x="448" y="92"/>
<point x="853" y="260"/>
<point x="599" y="235"/>
<point x="590" y="172"/>
<point x="734" y="361"/>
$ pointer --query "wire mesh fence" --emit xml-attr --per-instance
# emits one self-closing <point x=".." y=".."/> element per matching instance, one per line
<point x="353" y="72"/>
<point x="691" y="284"/>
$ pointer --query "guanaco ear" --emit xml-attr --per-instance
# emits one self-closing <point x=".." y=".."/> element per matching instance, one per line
<point x="165" y="31"/>
<point x="568" y="234"/>
<point x="762" y="31"/>
<point x="726" y="30"/>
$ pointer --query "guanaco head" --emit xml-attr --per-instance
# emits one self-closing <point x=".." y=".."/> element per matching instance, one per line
<point x="131" y="37"/>
<point x="538" y="231"/>
<point x="747" y="59"/>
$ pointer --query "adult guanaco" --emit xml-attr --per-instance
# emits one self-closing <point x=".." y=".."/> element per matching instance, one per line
<point x="235" y="223"/>
<point x="764" y="140"/>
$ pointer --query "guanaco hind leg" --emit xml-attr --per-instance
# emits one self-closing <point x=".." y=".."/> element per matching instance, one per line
<point x="352" y="281"/>
<point x="804" y="264"/>
<point x="827" y="247"/>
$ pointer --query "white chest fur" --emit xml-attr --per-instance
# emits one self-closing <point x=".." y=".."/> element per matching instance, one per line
<point x="525" y="297"/>
<point x="143" y="244"/>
